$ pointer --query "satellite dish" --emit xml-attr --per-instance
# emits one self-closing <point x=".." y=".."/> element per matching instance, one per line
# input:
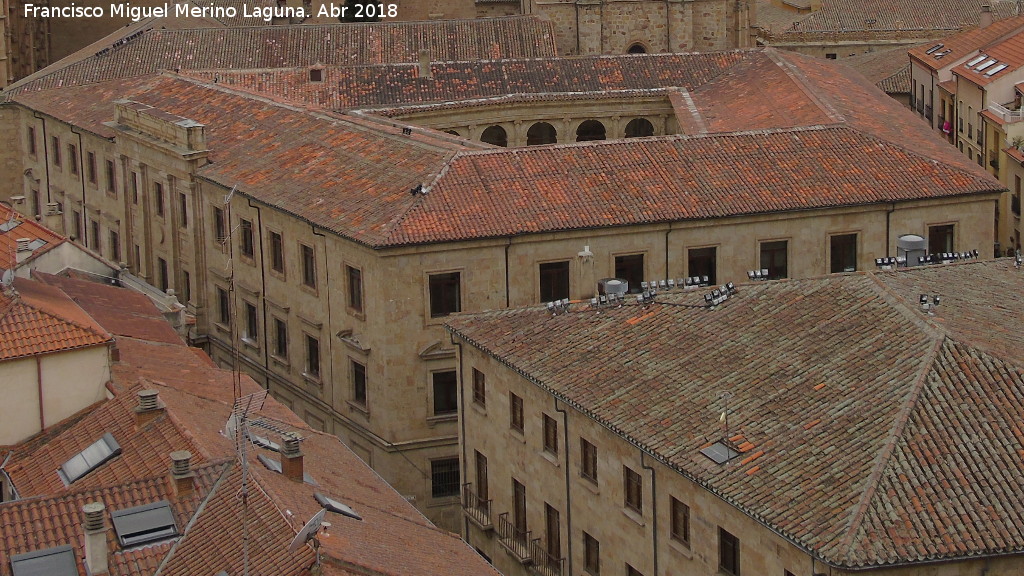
<point x="308" y="531"/>
<point x="7" y="278"/>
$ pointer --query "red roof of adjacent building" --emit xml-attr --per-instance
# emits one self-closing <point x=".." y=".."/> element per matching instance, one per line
<point x="850" y="405"/>
<point x="14" y="227"/>
<point x="955" y="47"/>
<point x="36" y="319"/>
<point x="998" y="59"/>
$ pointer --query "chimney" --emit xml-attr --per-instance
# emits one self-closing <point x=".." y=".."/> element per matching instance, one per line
<point x="149" y="407"/>
<point x="986" y="16"/>
<point x="424" y="70"/>
<point x="53" y="218"/>
<point x="95" y="538"/>
<point x="181" y="473"/>
<point x="24" y="248"/>
<point x="291" y="456"/>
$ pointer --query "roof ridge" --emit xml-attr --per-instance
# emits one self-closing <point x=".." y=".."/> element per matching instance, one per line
<point x="395" y="224"/>
<point x="92" y="330"/>
<point x="195" y="515"/>
<point x="902" y="417"/>
<point x="805" y="84"/>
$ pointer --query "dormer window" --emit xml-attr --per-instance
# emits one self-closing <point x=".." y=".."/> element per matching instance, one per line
<point x="89" y="459"/>
<point x="144" y="524"/>
<point x="316" y="74"/>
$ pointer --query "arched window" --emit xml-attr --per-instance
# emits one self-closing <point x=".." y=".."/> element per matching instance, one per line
<point x="495" y="135"/>
<point x="637" y="49"/>
<point x="590" y="130"/>
<point x="453" y="132"/>
<point x="541" y="133"/>
<point x="638" y="127"/>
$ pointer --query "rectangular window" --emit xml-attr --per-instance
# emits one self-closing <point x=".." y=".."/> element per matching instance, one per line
<point x="630" y="268"/>
<point x="276" y="252"/>
<point x="355" y="288"/>
<point x="162" y="276"/>
<point x="588" y="460"/>
<point x="135" y="188"/>
<point x="186" y="285"/>
<point x="137" y="258"/>
<point x="680" y="522"/>
<point x="554" y="281"/>
<point x="552" y="535"/>
<point x="444" y="478"/>
<point x="111" y="177"/>
<point x="76" y="225"/>
<point x="843" y="253"/>
<point x="940" y="238"/>
<point x="55" y="148"/>
<point x="550" y="435"/>
<point x="219" y="226"/>
<point x="519" y="507"/>
<point x="358" y="383"/>
<point x="251" y="323"/>
<point x="634" y="489"/>
<point x="73" y="158"/>
<point x="95" y="235"/>
<point x="515" y="415"/>
<point x="482" y="489"/>
<point x="223" y="307"/>
<point x="479" y="389"/>
<point x="591" y="555"/>
<point x="445" y="297"/>
<point x="312" y="356"/>
<point x="703" y="262"/>
<point x="280" y="338"/>
<point x="32" y="140"/>
<point x="246" y="244"/>
<point x="158" y="198"/>
<point x="182" y="210"/>
<point x="90" y="167"/>
<point x="728" y="553"/>
<point x="446" y="397"/>
<point x="115" y="246"/>
<point x="774" y="258"/>
<point x="308" y="266"/>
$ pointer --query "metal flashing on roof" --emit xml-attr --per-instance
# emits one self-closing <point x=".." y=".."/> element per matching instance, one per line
<point x="997" y="70"/>
<point x="94" y="456"/>
<point x="975" y="60"/>
<point x="985" y="64"/>
<point x="934" y="49"/>
<point x="59" y="561"/>
<point x="144" y="524"/>
<point x="275" y="466"/>
<point x="10" y="225"/>
<point x="719" y="453"/>
<point x="332" y="505"/>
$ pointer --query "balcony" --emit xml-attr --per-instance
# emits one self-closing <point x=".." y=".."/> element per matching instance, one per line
<point x="514" y="540"/>
<point x="994" y="163"/>
<point x="477" y="509"/>
<point x="928" y="112"/>
<point x="1006" y="113"/>
<point x="545" y="563"/>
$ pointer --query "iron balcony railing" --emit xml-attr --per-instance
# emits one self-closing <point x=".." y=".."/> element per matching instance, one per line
<point x="545" y="563"/>
<point x="477" y="508"/>
<point x="514" y="540"/>
<point x="1015" y="205"/>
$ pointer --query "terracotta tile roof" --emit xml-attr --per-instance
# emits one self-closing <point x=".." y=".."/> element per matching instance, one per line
<point x="888" y="406"/>
<point x="37" y="319"/>
<point x="1006" y="52"/>
<point x="809" y="119"/>
<point x="23" y="228"/>
<point x="304" y="45"/>
<point x="901" y="15"/>
<point x="887" y="69"/>
<point x="957" y="46"/>
<point x="121" y="312"/>
<point x="398" y="84"/>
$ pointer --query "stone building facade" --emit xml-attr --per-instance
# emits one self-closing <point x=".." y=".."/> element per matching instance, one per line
<point x="660" y="439"/>
<point x="321" y="252"/>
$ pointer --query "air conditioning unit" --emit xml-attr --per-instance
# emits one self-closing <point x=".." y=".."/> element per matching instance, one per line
<point x="607" y="286"/>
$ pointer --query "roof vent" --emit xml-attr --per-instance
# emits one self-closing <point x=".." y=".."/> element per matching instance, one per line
<point x="148" y="400"/>
<point x="24" y="244"/>
<point x="181" y="472"/>
<point x="95" y="538"/>
<point x="424" y="67"/>
<point x="608" y="286"/>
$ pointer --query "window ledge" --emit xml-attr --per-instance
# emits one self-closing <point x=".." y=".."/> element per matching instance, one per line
<point x="222" y="327"/>
<point x="590" y="485"/>
<point x="479" y="409"/>
<point x="681" y="547"/>
<point x="442" y="418"/>
<point x="357" y="407"/>
<point x="634" y="516"/>
<point x="311" y="378"/>
<point x="517" y="435"/>
<point x="250" y="343"/>
<point x="552" y="458"/>
<point x="311" y="290"/>
<point x="443" y="501"/>
<point x="280" y="360"/>
<point x="357" y="314"/>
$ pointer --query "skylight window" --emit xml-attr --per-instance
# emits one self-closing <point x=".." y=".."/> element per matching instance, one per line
<point x="720" y="453"/>
<point x="144" y="524"/>
<point x="59" y="561"/>
<point x="996" y="70"/>
<point x="975" y="60"/>
<point x="332" y="505"/>
<point x="984" y="65"/>
<point x="9" y="225"/>
<point x="89" y="459"/>
<point x="934" y="49"/>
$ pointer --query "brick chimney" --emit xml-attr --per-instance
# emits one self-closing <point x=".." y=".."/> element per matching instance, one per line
<point x="95" y="538"/>
<point x="986" y="16"/>
<point x="182" y="475"/>
<point x="424" y="69"/>
<point x="149" y="407"/>
<point x="291" y="456"/>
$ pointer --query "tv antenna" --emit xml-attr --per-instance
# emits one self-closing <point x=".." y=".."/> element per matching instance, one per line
<point x="238" y="426"/>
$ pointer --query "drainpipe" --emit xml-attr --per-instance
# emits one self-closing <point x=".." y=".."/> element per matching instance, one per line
<point x="888" y="231"/>
<point x="568" y="500"/>
<point x="81" y="179"/>
<point x="46" y="154"/>
<point x="462" y="431"/>
<point x="330" y="325"/>
<point x="654" y="508"/>
<point x="39" y="384"/>
<point x="667" y="232"/>
<point x="263" y="291"/>
<point x="508" y="301"/>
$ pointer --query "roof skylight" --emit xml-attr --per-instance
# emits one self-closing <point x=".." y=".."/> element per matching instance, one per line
<point x="975" y="60"/>
<point x="720" y="453"/>
<point x="89" y="459"/>
<point x="144" y="524"/>
<point x="996" y="70"/>
<point x="59" y="561"/>
<point x="934" y="49"/>
<point x="332" y="505"/>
